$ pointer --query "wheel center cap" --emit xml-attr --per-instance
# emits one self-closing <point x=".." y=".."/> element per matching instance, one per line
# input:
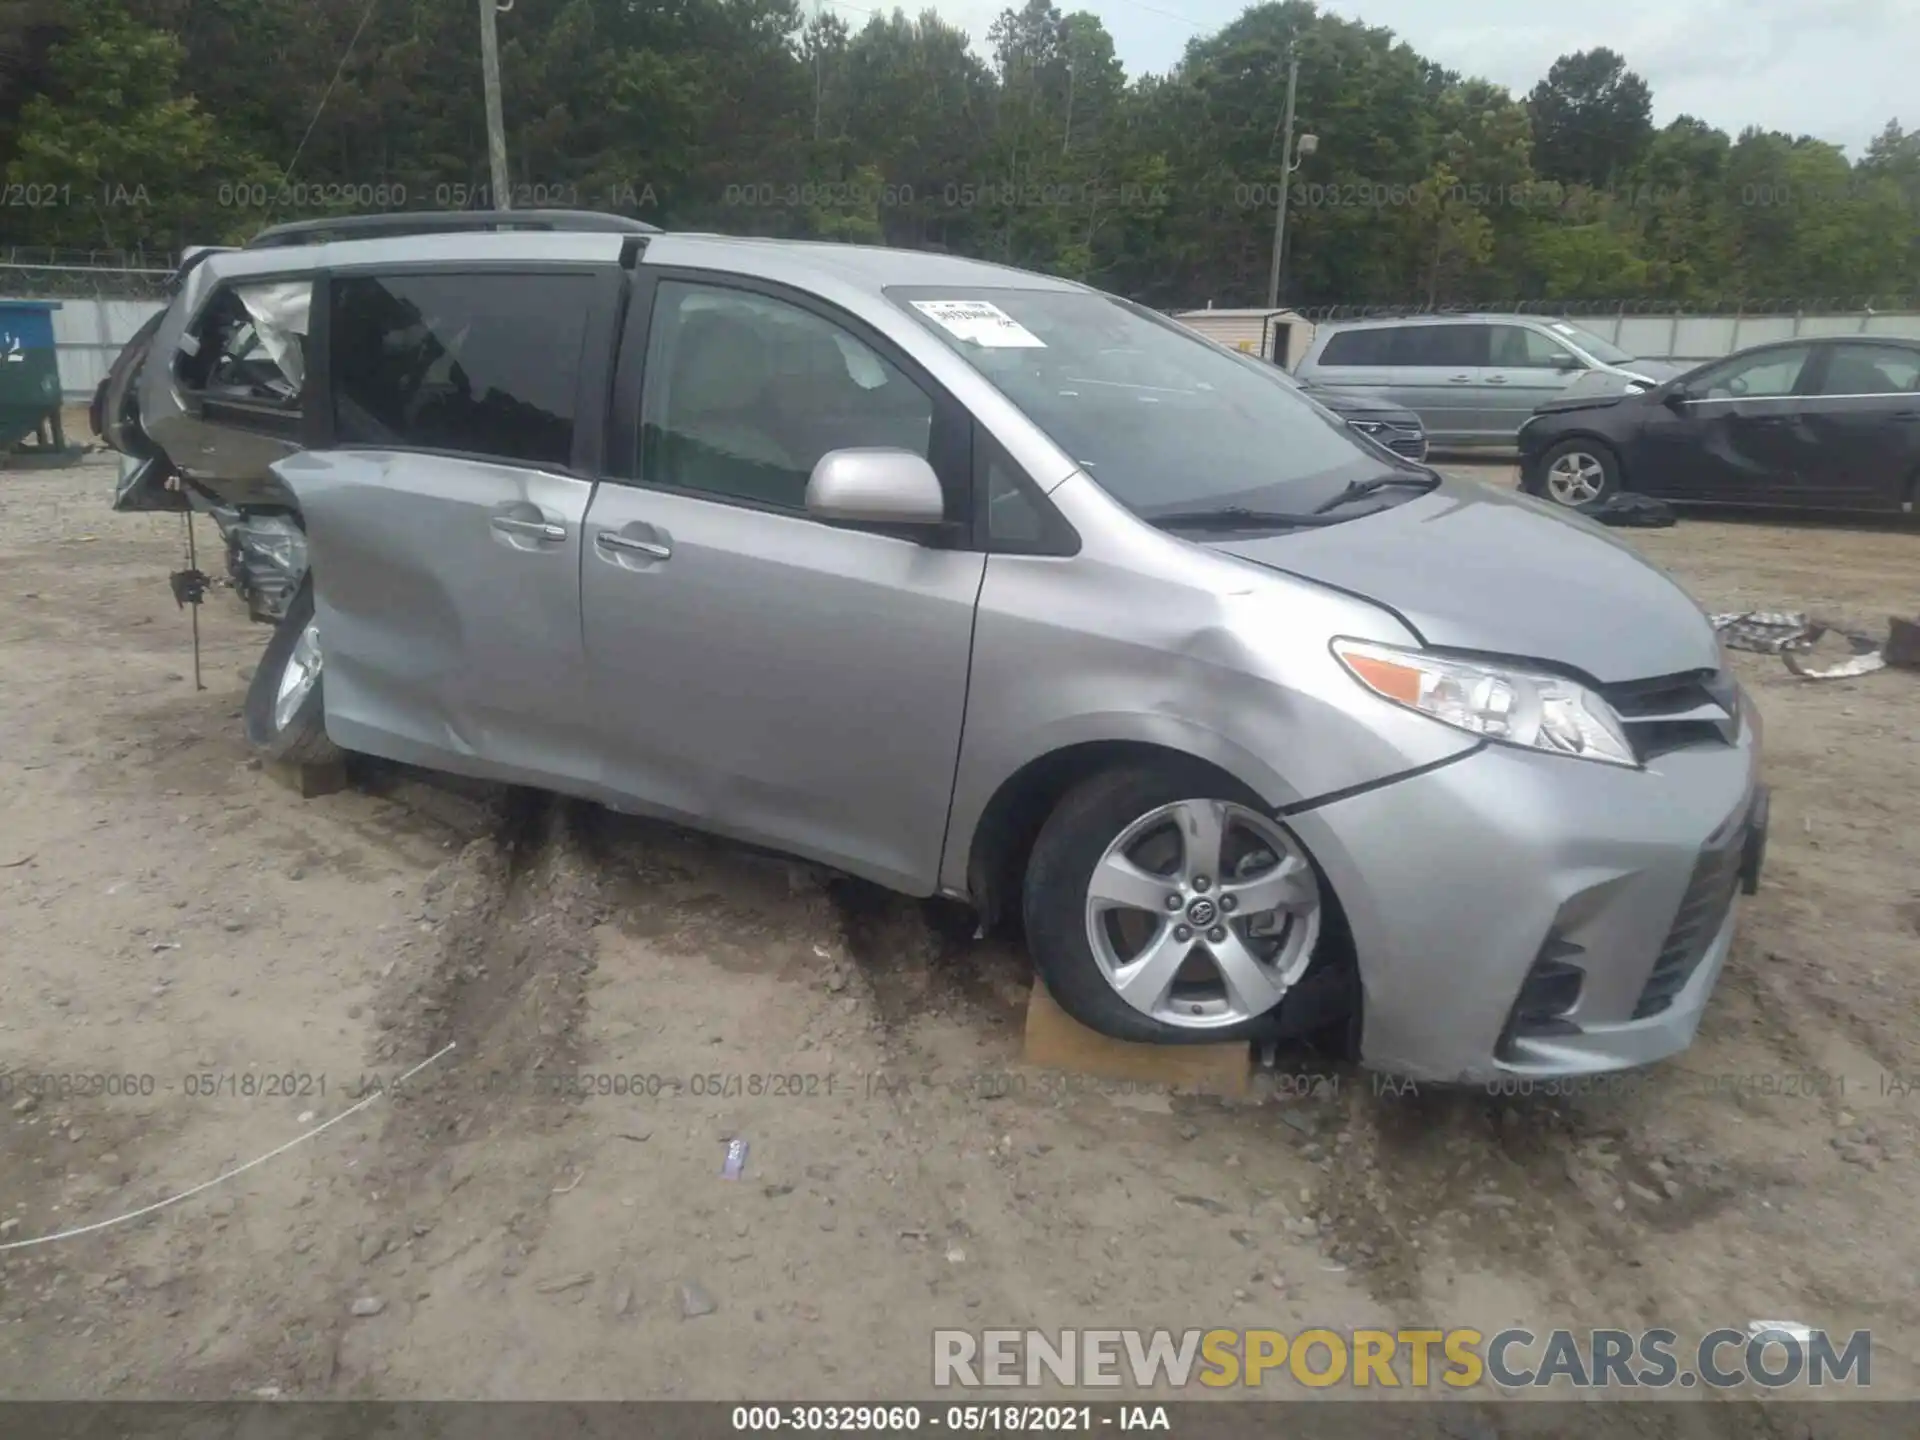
<point x="1201" y="913"/>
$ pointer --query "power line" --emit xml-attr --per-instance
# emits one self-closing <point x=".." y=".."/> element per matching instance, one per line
<point x="327" y="94"/>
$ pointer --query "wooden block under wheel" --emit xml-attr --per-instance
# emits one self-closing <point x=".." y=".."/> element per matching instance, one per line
<point x="1057" y="1041"/>
<point x="310" y="782"/>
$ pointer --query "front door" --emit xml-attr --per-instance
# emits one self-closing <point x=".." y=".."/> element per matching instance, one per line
<point x="444" y="526"/>
<point x="1525" y="369"/>
<point x="758" y="672"/>
<point x="1743" y="440"/>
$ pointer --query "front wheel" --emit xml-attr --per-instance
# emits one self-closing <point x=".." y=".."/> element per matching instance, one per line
<point x="1579" y="474"/>
<point x="1164" y="905"/>
<point x="285" y="717"/>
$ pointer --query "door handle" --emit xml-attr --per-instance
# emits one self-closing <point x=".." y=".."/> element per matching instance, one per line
<point x="529" y="529"/>
<point x="1459" y="379"/>
<point x="613" y="540"/>
<point x="1496" y="379"/>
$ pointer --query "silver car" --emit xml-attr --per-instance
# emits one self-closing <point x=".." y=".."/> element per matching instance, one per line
<point x="976" y="583"/>
<point x="1473" y="379"/>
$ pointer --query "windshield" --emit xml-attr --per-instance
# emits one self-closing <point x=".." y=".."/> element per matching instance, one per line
<point x="1605" y="351"/>
<point x="1162" y="419"/>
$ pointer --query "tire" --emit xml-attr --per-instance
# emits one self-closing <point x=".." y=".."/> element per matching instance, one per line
<point x="1078" y="941"/>
<point x="299" y="738"/>
<point x="1579" y="486"/>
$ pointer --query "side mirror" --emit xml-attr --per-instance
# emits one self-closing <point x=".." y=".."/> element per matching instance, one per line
<point x="1566" y="364"/>
<point x="1673" y="397"/>
<point x="883" y="487"/>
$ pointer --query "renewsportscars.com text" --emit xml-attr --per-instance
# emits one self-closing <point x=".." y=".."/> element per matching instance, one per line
<point x="1406" y="1358"/>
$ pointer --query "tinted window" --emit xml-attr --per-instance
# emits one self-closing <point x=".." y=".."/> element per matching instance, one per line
<point x="1359" y="347"/>
<point x="745" y="393"/>
<point x="1518" y="348"/>
<point x="1758" y="376"/>
<point x="1161" y="419"/>
<point x="1452" y="346"/>
<point x="1871" y="370"/>
<point x="485" y="364"/>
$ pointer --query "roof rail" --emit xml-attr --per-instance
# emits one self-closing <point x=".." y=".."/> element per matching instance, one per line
<point x="444" y="222"/>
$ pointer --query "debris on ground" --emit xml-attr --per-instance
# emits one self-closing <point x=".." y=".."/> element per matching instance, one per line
<point x="1787" y="1329"/>
<point x="1630" y="511"/>
<point x="1792" y="635"/>
<point x="736" y="1162"/>
<point x="1903" y="643"/>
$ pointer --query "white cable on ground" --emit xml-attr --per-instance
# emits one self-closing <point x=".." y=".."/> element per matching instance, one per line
<point x="237" y="1170"/>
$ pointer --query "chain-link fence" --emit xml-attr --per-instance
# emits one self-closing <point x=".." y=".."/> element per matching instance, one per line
<point x="65" y="276"/>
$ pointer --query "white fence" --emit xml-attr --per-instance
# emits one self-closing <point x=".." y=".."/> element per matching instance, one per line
<point x="87" y="335"/>
<point x="1693" y="338"/>
<point x="1666" y="335"/>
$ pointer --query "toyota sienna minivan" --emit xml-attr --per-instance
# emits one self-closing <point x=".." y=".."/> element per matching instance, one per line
<point x="972" y="583"/>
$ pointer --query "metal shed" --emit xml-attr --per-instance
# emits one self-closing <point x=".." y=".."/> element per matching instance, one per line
<point x="1281" y="336"/>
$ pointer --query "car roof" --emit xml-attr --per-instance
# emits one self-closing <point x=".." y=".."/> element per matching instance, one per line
<point x="1464" y="317"/>
<point x="870" y="268"/>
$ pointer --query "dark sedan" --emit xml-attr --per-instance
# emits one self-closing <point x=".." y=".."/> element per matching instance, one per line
<point x="1381" y="421"/>
<point x="1823" y="424"/>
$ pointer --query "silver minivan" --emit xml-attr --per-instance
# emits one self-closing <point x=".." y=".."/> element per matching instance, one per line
<point x="1472" y="379"/>
<point x="973" y="583"/>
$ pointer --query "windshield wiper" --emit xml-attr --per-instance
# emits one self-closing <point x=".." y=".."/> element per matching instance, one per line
<point x="1236" y="517"/>
<point x="1360" y="489"/>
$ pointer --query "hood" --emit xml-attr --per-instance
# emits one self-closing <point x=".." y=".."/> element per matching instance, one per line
<point x="1348" y="402"/>
<point x="1562" y="403"/>
<point x="1474" y="568"/>
<point x="1614" y="381"/>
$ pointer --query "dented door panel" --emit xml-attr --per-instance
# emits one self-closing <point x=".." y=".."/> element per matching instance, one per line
<point x="448" y="595"/>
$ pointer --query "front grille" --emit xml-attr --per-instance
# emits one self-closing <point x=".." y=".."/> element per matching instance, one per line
<point x="1675" y="712"/>
<point x="1410" y="443"/>
<point x="1703" y="910"/>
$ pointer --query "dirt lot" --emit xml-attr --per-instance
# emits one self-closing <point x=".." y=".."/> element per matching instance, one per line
<point x="540" y="1214"/>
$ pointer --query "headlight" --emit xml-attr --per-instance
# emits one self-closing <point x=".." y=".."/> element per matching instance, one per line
<point x="1634" y="387"/>
<point x="1513" y="706"/>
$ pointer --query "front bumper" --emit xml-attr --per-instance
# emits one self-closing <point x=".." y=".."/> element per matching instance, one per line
<point x="1521" y="914"/>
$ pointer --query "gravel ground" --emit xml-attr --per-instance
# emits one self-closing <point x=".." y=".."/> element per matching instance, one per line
<point x="217" y="965"/>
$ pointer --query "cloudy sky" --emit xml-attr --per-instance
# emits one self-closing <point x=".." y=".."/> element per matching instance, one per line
<point x="1836" y="69"/>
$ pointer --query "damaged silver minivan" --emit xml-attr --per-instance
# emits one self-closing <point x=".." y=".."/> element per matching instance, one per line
<point x="976" y="583"/>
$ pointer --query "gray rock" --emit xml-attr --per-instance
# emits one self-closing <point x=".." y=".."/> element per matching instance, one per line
<point x="372" y="1247"/>
<point x="367" y="1306"/>
<point x="695" y="1301"/>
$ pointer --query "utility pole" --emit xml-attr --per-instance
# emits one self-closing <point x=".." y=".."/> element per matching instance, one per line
<point x="1286" y="175"/>
<point x="496" y="126"/>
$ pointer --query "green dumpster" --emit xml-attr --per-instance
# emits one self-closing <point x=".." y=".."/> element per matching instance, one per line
<point x="30" y="384"/>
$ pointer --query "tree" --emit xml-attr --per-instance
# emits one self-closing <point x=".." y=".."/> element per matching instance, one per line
<point x="1592" y="118"/>
<point x="133" y="161"/>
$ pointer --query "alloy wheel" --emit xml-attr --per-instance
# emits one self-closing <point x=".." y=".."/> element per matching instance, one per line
<point x="1202" y="914"/>
<point x="1576" y="478"/>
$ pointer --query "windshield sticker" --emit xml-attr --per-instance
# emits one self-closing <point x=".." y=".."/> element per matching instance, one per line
<point x="1563" y="329"/>
<point x="980" y="323"/>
